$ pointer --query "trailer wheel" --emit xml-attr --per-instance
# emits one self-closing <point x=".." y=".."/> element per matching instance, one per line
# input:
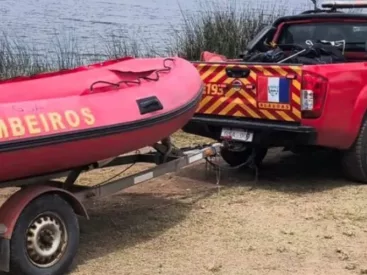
<point x="45" y="238"/>
<point x="235" y="158"/>
<point x="354" y="160"/>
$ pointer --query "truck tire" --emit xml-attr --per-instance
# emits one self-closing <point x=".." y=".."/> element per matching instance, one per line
<point x="45" y="238"/>
<point x="354" y="160"/>
<point x="235" y="158"/>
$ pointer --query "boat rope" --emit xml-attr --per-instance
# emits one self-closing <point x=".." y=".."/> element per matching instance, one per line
<point x="116" y="175"/>
<point x="248" y="162"/>
<point x="166" y="68"/>
<point x="119" y="173"/>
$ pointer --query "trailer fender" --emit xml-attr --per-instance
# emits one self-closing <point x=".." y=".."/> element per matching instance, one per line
<point x="13" y="207"/>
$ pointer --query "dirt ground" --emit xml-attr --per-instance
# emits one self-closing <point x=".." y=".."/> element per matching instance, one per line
<point x="299" y="217"/>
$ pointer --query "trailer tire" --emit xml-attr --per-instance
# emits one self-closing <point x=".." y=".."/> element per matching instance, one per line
<point x="354" y="160"/>
<point x="45" y="239"/>
<point x="235" y="158"/>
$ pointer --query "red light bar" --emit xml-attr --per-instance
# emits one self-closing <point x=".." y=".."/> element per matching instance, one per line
<point x="345" y="4"/>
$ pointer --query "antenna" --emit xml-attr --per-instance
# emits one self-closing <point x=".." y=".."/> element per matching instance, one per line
<point x="314" y="4"/>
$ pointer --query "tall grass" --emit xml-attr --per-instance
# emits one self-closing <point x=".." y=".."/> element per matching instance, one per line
<point x="223" y="28"/>
<point x="19" y="59"/>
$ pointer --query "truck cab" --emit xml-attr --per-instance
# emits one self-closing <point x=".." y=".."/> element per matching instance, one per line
<point x="301" y="83"/>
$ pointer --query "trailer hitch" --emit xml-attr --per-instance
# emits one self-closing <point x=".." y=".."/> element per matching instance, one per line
<point x="250" y="162"/>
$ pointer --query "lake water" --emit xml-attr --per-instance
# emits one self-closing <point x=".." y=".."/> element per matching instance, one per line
<point x="36" y="22"/>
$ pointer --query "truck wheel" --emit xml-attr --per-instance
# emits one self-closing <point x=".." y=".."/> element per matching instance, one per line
<point x="354" y="160"/>
<point x="235" y="158"/>
<point x="45" y="238"/>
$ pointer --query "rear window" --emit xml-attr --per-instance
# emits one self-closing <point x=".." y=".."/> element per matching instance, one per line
<point x="354" y="34"/>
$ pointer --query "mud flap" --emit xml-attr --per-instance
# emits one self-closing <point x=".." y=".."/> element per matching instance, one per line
<point x="4" y="254"/>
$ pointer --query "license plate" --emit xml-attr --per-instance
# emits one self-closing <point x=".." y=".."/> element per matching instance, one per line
<point x="237" y="134"/>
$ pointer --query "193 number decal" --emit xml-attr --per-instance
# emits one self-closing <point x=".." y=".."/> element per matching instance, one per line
<point x="214" y="89"/>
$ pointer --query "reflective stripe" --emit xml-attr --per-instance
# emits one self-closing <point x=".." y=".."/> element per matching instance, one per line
<point x="239" y="97"/>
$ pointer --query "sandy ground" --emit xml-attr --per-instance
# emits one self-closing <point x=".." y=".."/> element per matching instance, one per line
<point x="299" y="217"/>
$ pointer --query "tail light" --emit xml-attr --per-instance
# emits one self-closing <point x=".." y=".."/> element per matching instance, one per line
<point x="313" y="93"/>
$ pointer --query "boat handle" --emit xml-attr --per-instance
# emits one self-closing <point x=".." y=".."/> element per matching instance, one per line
<point x="237" y="72"/>
<point x="149" y="105"/>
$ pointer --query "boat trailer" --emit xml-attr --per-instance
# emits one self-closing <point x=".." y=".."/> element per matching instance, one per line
<point x="39" y="229"/>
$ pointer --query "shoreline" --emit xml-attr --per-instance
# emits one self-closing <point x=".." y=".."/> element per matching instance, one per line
<point x="217" y="29"/>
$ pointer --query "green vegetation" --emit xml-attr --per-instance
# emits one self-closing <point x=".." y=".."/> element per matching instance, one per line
<point x="222" y="28"/>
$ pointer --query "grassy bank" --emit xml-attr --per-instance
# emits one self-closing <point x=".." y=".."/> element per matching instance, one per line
<point x="223" y="28"/>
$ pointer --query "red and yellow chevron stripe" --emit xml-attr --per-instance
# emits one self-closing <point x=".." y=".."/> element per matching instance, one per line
<point x="238" y="96"/>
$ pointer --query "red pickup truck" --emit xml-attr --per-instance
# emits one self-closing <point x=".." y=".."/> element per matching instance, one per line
<point x="302" y="83"/>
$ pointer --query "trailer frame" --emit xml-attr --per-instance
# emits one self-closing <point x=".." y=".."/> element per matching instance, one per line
<point x="167" y="158"/>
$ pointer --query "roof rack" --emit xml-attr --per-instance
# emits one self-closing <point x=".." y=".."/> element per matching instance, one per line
<point x="344" y="4"/>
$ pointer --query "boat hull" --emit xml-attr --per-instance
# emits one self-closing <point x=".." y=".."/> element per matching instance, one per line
<point x="95" y="126"/>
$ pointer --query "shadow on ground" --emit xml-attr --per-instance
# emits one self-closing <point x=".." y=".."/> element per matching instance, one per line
<point x="128" y="219"/>
<point x="281" y="171"/>
<point x="125" y="220"/>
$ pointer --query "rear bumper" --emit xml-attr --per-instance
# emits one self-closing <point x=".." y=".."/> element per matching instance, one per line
<point x="266" y="132"/>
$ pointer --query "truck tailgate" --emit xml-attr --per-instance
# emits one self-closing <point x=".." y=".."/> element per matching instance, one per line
<point x="264" y="91"/>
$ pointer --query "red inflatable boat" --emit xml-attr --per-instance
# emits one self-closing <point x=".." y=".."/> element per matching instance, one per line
<point x="56" y="121"/>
